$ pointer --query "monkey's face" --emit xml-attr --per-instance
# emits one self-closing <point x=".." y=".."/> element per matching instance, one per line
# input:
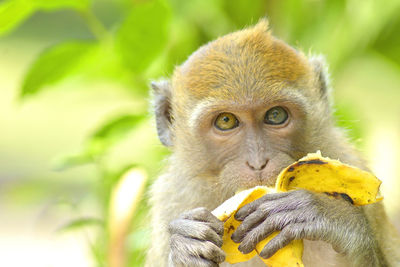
<point x="244" y="107"/>
<point x="248" y="143"/>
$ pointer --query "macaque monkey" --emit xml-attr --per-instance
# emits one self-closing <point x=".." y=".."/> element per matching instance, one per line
<point x="237" y="112"/>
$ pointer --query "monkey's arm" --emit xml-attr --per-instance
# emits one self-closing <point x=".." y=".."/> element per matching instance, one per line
<point x="385" y="233"/>
<point x="302" y="214"/>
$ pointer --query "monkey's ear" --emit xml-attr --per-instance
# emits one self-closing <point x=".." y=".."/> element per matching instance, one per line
<point x="162" y="110"/>
<point x="321" y="74"/>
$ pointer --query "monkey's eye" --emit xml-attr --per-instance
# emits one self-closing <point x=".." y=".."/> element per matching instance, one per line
<point x="275" y="116"/>
<point x="226" y="121"/>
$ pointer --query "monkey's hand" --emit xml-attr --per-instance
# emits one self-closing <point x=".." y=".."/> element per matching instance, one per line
<point x="196" y="239"/>
<point x="302" y="214"/>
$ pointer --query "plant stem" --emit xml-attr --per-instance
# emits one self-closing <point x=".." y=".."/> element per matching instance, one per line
<point x="95" y="25"/>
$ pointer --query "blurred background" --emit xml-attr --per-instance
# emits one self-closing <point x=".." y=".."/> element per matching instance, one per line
<point x="74" y="110"/>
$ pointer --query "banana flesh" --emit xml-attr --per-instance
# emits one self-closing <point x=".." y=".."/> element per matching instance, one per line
<point x="225" y="213"/>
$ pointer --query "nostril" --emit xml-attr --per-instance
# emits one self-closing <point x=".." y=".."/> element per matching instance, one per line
<point x="263" y="166"/>
<point x="248" y="165"/>
<point x="257" y="166"/>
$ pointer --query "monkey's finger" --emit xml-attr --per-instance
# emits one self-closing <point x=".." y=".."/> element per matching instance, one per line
<point x="277" y="212"/>
<point x="211" y="252"/>
<point x="200" y="214"/>
<point x="255" y="236"/>
<point x="200" y="262"/>
<point x="243" y="212"/>
<point x="274" y="222"/>
<point x="283" y="204"/>
<point x="189" y="261"/>
<point x="288" y="234"/>
<point x="204" y="215"/>
<point x="264" y="211"/>
<point x="195" y="229"/>
<point x="197" y="248"/>
<point x="250" y="222"/>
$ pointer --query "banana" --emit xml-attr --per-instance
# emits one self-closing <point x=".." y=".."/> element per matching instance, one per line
<point x="339" y="180"/>
<point x="324" y="175"/>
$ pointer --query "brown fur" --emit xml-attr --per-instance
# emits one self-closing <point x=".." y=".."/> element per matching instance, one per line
<point x="205" y="74"/>
<point x="248" y="68"/>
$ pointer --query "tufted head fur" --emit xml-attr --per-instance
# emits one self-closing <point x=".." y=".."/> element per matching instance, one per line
<point x="237" y="67"/>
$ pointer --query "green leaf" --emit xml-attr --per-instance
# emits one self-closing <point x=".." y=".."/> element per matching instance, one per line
<point x="50" y="5"/>
<point x="65" y="162"/>
<point x="143" y="34"/>
<point x="13" y="13"/>
<point x="80" y="223"/>
<point x="101" y="141"/>
<point x="112" y="132"/>
<point x="53" y="65"/>
<point x="105" y="63"/>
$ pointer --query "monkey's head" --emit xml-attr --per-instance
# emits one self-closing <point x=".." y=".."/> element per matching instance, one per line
<point x="243" y="107"/>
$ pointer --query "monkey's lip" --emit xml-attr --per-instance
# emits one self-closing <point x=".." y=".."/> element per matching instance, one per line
<point x="258" y="179"/>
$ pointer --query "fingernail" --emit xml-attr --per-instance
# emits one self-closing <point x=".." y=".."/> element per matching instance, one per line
<point x="235" y="238"/>
<point x="243" y="249"/>
<point x="239" y="217"/>
<point x="221" y="259"/>
<point x="265" y="255"/>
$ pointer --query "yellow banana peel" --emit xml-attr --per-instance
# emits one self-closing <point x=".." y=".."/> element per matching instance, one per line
<point x="324" y="175"/>
<point x="314" y="173"/>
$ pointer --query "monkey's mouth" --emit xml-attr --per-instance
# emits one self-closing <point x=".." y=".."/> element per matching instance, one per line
<point x="258" y="179"/>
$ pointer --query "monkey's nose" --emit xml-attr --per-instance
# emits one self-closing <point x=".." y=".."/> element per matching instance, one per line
<point x="257" y="166"/>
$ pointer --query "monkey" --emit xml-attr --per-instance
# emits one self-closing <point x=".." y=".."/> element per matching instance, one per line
<point x="234" y="114"/>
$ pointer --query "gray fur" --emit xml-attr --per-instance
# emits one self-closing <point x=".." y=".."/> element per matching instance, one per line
<point x="162" y="106"/>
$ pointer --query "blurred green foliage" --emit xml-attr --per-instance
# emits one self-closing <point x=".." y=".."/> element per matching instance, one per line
<point x="148" y="38"/>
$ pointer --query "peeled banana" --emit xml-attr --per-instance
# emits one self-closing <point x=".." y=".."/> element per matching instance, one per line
<point x="314" y="173"/>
